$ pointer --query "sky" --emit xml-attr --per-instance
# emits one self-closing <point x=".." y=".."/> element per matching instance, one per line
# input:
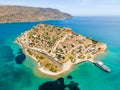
<point x="74" y="7"/>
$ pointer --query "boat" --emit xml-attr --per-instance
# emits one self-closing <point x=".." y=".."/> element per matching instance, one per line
<point x="102" y="66"/>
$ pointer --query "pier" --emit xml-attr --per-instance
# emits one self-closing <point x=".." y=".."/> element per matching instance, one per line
<point x="101" y="66"/>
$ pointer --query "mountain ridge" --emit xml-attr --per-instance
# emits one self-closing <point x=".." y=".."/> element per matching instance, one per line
<point x="14" y="13"/>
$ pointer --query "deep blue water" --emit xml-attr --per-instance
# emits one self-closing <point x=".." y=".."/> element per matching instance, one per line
<point x="24" y="76"/>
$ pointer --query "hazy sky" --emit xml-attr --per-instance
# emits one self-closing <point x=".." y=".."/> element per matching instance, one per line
<point x="74" y="7"/>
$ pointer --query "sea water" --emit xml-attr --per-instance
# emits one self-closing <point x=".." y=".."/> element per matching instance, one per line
<point x="25" y="76"/>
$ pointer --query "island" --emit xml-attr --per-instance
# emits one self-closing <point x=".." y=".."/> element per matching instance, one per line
<point x="13" y="13"/>
<point x="57" y="49"/>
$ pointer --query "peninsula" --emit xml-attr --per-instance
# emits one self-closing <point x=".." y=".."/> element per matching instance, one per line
<point x="57" y="49"/>
<point x="12" y="13"/>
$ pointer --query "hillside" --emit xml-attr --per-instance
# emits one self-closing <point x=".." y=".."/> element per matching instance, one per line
<point x="25" y="14"/>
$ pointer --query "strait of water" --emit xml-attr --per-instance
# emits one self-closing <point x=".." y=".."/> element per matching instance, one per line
<point x="23" y="75"/>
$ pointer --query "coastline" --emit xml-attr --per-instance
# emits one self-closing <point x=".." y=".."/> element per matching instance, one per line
<point x="34" y="21"/>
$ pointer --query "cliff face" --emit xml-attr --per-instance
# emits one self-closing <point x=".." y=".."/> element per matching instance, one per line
<point x="22" y="13"/>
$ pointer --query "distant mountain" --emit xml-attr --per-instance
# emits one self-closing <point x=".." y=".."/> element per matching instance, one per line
<point x="25" y="14"/>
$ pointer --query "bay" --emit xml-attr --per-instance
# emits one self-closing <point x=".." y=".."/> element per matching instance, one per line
<point x="25" y="76"/>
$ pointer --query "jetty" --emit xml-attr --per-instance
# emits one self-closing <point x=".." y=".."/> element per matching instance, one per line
<point x="102" y="66"/>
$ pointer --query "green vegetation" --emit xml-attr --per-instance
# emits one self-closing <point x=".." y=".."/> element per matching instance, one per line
<point x="72" y="59"/>
<point x="94" y="41"/>
<point x="80" y="42"/>
<point x="44" y="62"/>
<point x="29" y="52"/>
<point x="81" y="56"/>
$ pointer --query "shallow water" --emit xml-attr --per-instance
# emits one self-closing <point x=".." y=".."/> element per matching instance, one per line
<point x="25" y="76"/>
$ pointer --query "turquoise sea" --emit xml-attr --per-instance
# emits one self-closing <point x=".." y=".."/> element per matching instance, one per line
<point x="23" y="75"/>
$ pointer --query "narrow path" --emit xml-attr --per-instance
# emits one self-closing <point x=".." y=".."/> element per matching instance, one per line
<point x="60" y="41"/>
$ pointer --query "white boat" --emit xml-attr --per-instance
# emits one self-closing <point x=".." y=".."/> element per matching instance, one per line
<point x="102" y="66"/>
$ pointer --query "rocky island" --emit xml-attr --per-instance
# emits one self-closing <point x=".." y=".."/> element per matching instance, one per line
<point x="57" y="49"/>
<point x="12" y="13"/>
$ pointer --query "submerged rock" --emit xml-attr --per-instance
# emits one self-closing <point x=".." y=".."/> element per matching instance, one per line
<point x="69" y="77"/>
<point x="20" y="52"/>
<point x="59" y="85"/>
<point x="20" y="58"/>
<point x="53" y="85"/>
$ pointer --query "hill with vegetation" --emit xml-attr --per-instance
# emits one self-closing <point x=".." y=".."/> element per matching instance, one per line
<point x="25" y="14"/>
